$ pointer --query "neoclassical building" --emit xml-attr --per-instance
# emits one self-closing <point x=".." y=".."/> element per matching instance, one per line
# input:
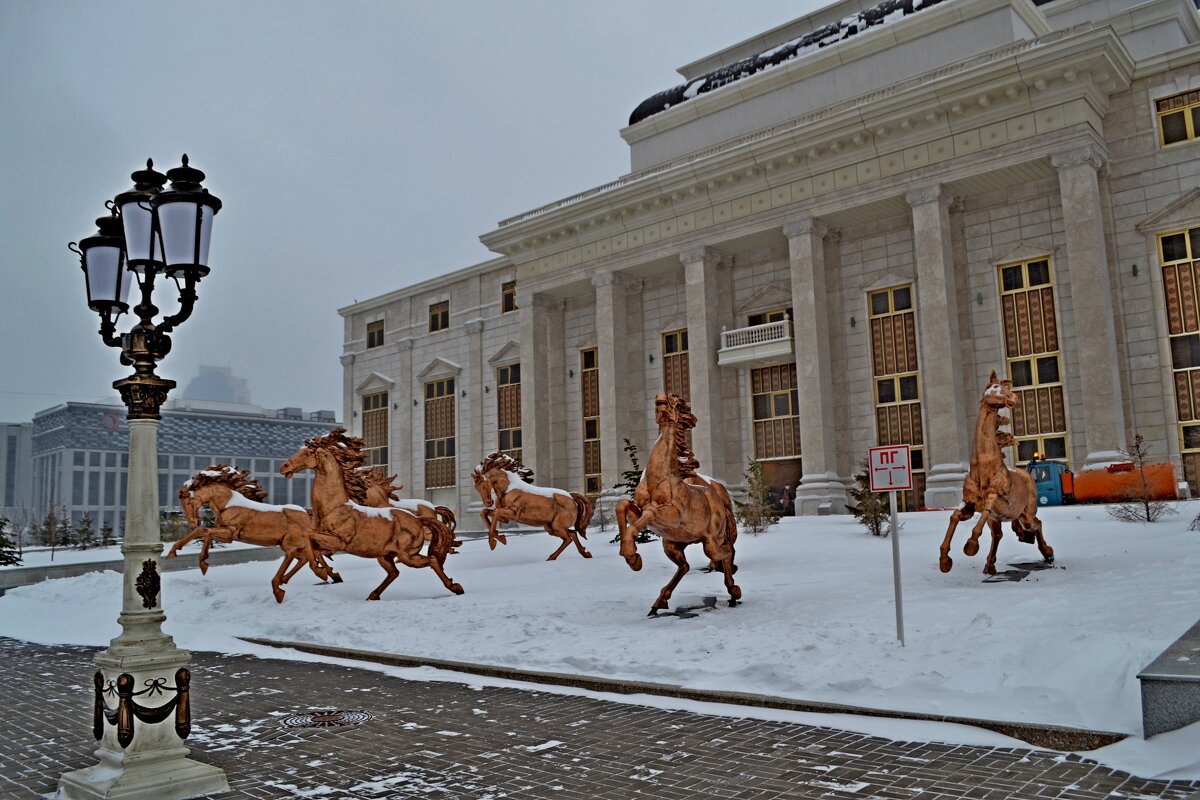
<point x="829" y="236"/>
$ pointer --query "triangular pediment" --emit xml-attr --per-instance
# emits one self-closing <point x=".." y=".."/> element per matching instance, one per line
<point x="769" y="297"/>
<point x="439" y="368"/>
<point x="1182" y="212"/>
<point x="375" y="381"/>
<point x="509" y="354"/>
<point x="676" y="323"/>
<point x="1023" y="251"/>
<point x="889" y="279"/>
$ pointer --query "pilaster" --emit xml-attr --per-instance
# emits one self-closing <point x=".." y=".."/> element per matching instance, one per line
<point x="1091" y="295"/>
<point x="702" y="288"/>
<point x="821" y="490"/>
<point x="401" y="448"/>
<point x="619" y="344"/>
<point x="541" y="320"/>
<point x="942" y="395"/>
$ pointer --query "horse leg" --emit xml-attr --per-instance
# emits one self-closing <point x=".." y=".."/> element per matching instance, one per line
<point x="175" y="547"/>
<point x="627" y="534"/>
<point x="392" y="572"/>
<point x="986" y="515"/>
<point x="722" y="556"/>
<point x="280" y="578"/>
<point x="1030" y="522"/>
<point x="574" y="534"/>
<point x="418" y="561"/>
<point x="989" y="567"/>
<point x="966" y="511"/>
<point x="564" y="535"/>
<point x="674" y="551"/>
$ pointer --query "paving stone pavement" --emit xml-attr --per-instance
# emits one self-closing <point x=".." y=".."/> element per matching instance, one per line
<point x="446" y="741"/>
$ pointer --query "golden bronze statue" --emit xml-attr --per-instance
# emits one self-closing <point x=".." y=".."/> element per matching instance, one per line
<point x="1002" y="494"/>
<point x="382" y="491"/>
<point x="679" y="504"/>
<point x="241" y="516"/>
<point x="508" y="495"/>
<point x="383" y="533"/>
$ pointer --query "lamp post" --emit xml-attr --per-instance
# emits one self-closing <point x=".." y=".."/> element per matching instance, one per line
<point x="141" y="709"/>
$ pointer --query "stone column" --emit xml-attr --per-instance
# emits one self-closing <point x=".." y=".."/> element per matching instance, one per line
<point x="821" y="490"/>
<point x="1091" y="296"/>
<point x="620" y="353"/>
<point x="403" y="449"/>
<point x="470" y="447"/>
<point x="347" y="360"/>
<point x="541" y="320"/>
<point x="704" y="339"/>
<point x="152" y="762"/>
<point x="942" y="396"/>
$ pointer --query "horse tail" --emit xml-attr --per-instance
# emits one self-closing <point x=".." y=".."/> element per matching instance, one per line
<point x="440" y="539"/>
<point x="446" y="517"/>
<point x="583" y="513"/>
<point x="730" y="517"/>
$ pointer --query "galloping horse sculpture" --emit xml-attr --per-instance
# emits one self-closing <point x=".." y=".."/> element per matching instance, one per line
<point x="679" y="504"/>
<point x="382" y="492"/>
<point x="1001" y="494"/>
<point x="236" y="500"/>
<point x="385" y="534"/>
<point x="508" y="494"/>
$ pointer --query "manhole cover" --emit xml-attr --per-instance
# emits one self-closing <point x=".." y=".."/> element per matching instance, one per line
<point x="327" y="719"/>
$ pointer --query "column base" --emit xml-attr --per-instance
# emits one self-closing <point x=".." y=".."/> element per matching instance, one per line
<point x="820" y="494"/>
<point x="944" y="485"/>
<point x="172" y="778"/>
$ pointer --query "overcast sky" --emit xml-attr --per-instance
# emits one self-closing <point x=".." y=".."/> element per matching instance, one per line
<point x="358" y="147"/>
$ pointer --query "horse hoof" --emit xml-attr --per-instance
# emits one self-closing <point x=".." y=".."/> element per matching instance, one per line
<point x="372" y="596"/>
<point x="945" y="563"/>
<point x="456" y="588"/>
<point x="586" y="554"/>
<point x="971" y="547"/>
<point x="203" y="567"/>
<point x="170" y="554"/>
<point x="635" y="562"/>
<point x="278" y="595"/>
<point x="1049" y="558"/>
<point x="732" y="602"/>
<point x="491" y="544"/>
<point x="336" y="578"/>
<point x="735" y="593"/>
<point x="989" y="569"/>
<point x="502" y="539"/>
<point x="653" y="612"/>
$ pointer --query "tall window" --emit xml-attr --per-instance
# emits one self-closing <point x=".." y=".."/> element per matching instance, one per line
<point x="375" y="334"/>
<point x="508" y="297"/>
<point x="439" y="316"/>
<point x="675" y="363"/>
<point x="776" y="412"/>
<point x="375" y="428"/>
<point x="897" y="381"/>
<point x="1178" y="117"/>
<point x="439" y="433"/>
<point x="589" y="385"/>
<point x="1031" y="347"/>
<point x="508" y="409"/>
<point x="1180" y="254"/>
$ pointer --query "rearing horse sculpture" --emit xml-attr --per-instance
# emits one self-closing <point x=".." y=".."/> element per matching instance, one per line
<point x="508" y="494"/>
<point x="1001" y="494"/>
<point x="679" y="504"/>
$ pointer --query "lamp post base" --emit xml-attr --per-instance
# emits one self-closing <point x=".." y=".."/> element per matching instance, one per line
<point x="158" y="776"/>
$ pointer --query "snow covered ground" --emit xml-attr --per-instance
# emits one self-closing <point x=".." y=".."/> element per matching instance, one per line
<point x="42" y="556"/>
<point x="817" y="622"/>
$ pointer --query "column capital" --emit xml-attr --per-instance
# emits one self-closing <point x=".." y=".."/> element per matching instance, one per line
<point x="404" y="345"/>
<point x="537" y="300"/>
<point x="347" y="359"/>
<point x="923" y="195"/>
<point x="1077" y="156"/>
<point x="615" y="278"/>
<point x="801" y="226"/>
<point x="709" y="256"/>
<point x="474" y="326"/>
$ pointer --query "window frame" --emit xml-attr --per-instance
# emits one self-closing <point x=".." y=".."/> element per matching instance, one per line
<point x="375" y="334"/>
<point x="439" y="316"/>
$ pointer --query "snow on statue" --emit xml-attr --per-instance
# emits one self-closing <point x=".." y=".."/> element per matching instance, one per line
<point x="508" y="494"/>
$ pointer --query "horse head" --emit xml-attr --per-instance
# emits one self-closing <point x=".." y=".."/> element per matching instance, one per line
<point x="999" y="393"/>
<point x="671" y="409"/>
<point x="211" y="483"/>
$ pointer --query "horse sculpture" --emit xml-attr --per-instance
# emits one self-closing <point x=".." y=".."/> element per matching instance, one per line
<point x="382" y="491"/>
<point x="508" y="494"/>
<point x="679" y="504"/>
<point x="1000" y="493"/>
<point x="385" y="534"/>
<point x="235" y="499"/>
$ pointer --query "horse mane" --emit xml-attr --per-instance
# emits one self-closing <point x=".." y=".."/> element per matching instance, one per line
<point x="225" y="475"/>
<point x="372" y="477"/>
<point x="357" y="476"/>
<point x="685" y="420"/>
<point x="501" y="460"/>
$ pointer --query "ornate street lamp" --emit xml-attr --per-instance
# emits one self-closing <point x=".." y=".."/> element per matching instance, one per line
<point x="141" y="709"/>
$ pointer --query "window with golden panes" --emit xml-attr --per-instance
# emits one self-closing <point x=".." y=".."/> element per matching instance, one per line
<point x="375" y="429"/>
<point x="439" y="433"/>
<point x="508" y="409"/>
<point x="775" y="407"/>
<point x="896" y="381"/>
<point x="1179" y="252"/>
<point x="1178" y="117"/>
<point x="439" y="316"/>
<point x="508" y="297"/>
<point x="589" y="387"/>
<point x="375" y="334"/>
<point x="1032" y="353"/>
<point x="675" y="364"/>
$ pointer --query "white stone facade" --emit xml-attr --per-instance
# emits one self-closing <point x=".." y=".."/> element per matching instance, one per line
<point x="926" y="152"/>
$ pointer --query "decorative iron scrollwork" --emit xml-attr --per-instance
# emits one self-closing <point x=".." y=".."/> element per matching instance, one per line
<point x="128" y="710"/>
<point x="148" y="583"/>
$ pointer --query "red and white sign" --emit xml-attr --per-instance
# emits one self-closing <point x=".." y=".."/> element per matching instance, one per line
<point x="890" y="468"/>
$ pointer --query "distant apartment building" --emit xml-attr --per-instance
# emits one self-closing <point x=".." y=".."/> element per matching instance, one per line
<point x="16" y="484"/>
<point x="80" y="453"/>
<point x="831" y="233"/>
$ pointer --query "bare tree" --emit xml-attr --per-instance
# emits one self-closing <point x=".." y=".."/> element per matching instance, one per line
<point x="1137" y="503"/>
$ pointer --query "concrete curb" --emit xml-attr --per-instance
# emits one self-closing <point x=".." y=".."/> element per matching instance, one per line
<point x="1043" y="736"/>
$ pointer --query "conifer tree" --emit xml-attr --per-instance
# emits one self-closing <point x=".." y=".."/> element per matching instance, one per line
<point x="9" y="554"/>
<point x="869" y="508"/>
<point x="755" y="514"/>
<point x="84" y="537"/>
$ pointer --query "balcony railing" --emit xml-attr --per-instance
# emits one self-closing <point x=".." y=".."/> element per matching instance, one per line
<point x="757" y="345"/>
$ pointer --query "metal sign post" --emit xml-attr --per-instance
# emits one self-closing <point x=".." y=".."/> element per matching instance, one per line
<point x="891" y="472"/>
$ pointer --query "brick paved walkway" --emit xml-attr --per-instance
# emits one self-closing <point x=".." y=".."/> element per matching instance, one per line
<point x="444" y="740"/>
